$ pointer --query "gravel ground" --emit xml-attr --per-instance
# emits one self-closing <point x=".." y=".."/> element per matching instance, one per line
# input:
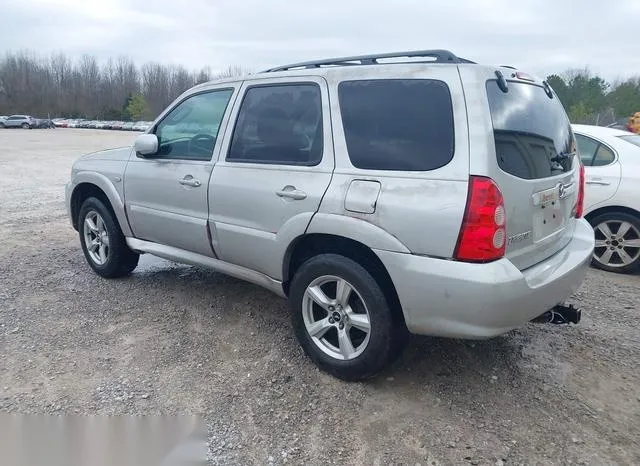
<point x="178" y="339"/>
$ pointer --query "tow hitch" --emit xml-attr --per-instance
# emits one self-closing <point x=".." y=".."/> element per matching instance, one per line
<point x="560" y="314"/>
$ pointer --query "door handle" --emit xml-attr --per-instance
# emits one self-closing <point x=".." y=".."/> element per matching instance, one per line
<point x="190" y="181"/>
<point x="598" y="181"/>
<point x="290" y="192"/>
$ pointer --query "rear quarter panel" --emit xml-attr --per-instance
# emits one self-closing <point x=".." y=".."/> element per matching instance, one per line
<point x="421" y="211"/>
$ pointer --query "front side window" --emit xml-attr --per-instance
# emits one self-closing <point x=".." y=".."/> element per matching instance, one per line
<point x="279" y="124"/>
<point x="397" y="124"/>
<point x="190" y="130"/>
<point x="532" y="133"/>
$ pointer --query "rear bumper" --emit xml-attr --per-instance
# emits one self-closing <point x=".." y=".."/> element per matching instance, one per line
<point x="462" y="300"/>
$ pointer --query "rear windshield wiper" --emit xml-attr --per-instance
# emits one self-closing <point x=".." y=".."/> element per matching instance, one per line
<point x="562" y="157"/>
<point x="560" y="161"/>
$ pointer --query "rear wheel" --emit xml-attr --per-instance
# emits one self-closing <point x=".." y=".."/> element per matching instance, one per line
<point x="617" y="246"/>
<point x="102" y="241"/>
<point x="342" y="318"/>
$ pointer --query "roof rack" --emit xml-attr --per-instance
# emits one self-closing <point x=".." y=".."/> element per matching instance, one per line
<point x="436" y="56"/>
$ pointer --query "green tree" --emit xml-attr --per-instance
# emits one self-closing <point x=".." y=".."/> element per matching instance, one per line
<point x="625" y="98"/>
<point x="137" y="107"/>
<point x="579" y="113"/>
<point x="559" y="87"/>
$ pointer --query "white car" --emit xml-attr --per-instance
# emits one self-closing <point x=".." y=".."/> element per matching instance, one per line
<point x="612" y="195"/>
<point x="141" y="126"/>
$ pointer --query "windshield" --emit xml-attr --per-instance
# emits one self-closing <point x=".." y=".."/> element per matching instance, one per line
<point x="632" y="138"/>
<point x="532" y="133"/>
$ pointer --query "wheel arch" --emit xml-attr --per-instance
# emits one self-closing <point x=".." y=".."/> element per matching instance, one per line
<point x="310" y="245"/>
<point x="98" y="186"/>
<point x="611" y="209"/>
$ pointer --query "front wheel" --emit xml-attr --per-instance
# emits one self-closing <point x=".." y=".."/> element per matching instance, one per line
<point x="342" y="318"/>
<point x="25" y="126"/>
<point x="102" y="241"/>
<point x="617" y="247"/>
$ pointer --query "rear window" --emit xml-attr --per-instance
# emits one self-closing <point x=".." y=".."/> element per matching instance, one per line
<point x="532" y="133"/>
<point x="632" y="138"/>
<point x="394" y="124"/>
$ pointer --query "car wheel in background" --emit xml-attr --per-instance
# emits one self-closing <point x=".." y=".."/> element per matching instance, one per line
<point x="617" y="246"/>
<point x="102" y="241"/>
<point x="342" y="318"/>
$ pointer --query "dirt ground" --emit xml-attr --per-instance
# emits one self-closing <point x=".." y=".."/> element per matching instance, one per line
<point x="178" y="339"/>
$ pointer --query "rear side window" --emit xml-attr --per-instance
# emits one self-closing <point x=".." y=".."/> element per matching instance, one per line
<point x="594" y="153"/>
<point x="397" y="124"/>
<point x="532" y="133"/>
<point x="279" y="124"/>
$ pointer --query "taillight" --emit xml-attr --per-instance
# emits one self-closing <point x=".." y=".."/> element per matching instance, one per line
<point x="483" y="237"/>
<point x="580" y="202"/>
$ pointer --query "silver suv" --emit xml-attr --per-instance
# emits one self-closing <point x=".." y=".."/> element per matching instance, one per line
<point x="18" y="121"/>
<point x="381" y="195"/>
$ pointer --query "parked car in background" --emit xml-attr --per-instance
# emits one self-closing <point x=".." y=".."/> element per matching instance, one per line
<point x="128" y="126"/>
<point x="19" y="121"/>
<point x="612" y="195"/>
<point x="141" y="126"/>
<point x="348" y="190"/>
<point x="117" y="125"/>
<point x="2" y="117"/>
<point x="44" y="123"/>
<point x="84" y="124"/>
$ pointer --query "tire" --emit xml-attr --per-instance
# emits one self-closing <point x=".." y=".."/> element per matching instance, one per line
<point x="25" y="126"/>
<point x="114" y="260"/>
<point x="610" y="253"/>
<point x="372" y="351"/>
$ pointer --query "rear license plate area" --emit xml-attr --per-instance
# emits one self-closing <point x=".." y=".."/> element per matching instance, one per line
<point x="549" y="215"/>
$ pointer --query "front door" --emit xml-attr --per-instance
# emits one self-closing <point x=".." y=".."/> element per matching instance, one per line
<point x="273" y="171"/>
<point x="166" y="193"/>
<point x="602" y="171"/>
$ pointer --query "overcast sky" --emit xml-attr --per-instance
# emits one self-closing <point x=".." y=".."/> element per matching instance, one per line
<point x="541" y="36"/>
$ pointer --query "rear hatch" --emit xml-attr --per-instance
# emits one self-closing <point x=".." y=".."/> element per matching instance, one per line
<point x="538" y="169"/>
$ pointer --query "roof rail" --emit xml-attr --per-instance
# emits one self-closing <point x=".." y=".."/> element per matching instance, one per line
<point x="437" y="56"/>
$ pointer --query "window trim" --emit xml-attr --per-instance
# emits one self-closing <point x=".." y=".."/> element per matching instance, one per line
<point x="154" y="127"/>
<point x="235" y="161"/>
<point x="599" y="143"/>
<point x="399" y="78"/>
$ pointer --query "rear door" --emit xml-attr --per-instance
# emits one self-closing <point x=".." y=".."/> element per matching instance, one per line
<point x="537" y="169"/>
<point x="273" y="171"/>
<point x="602" y="170"/>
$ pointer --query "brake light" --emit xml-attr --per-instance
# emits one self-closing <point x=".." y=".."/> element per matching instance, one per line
<point x="580" y="201"/>
<point x="483" y="237"/>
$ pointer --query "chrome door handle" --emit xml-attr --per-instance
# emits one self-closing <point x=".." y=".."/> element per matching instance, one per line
<point x="290" y="192"/>
<point x="190" y="181"/>
<point x="597" y="181"/>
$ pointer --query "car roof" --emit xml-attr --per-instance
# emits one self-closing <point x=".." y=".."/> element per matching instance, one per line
<point x="601" y="131"/>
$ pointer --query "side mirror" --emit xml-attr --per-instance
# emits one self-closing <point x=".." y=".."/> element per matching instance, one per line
<point x="146" y="144"/>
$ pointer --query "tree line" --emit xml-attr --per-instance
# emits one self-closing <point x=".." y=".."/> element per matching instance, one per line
<point x="58" y="85"/>
<point x="590" y="99"/>
<point x="84" y="88"/>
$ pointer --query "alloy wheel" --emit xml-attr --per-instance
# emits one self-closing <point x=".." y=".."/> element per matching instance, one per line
<point x="336" y="317"/>
<point x="617" y="243"/>
<point x="96" y="237"/>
